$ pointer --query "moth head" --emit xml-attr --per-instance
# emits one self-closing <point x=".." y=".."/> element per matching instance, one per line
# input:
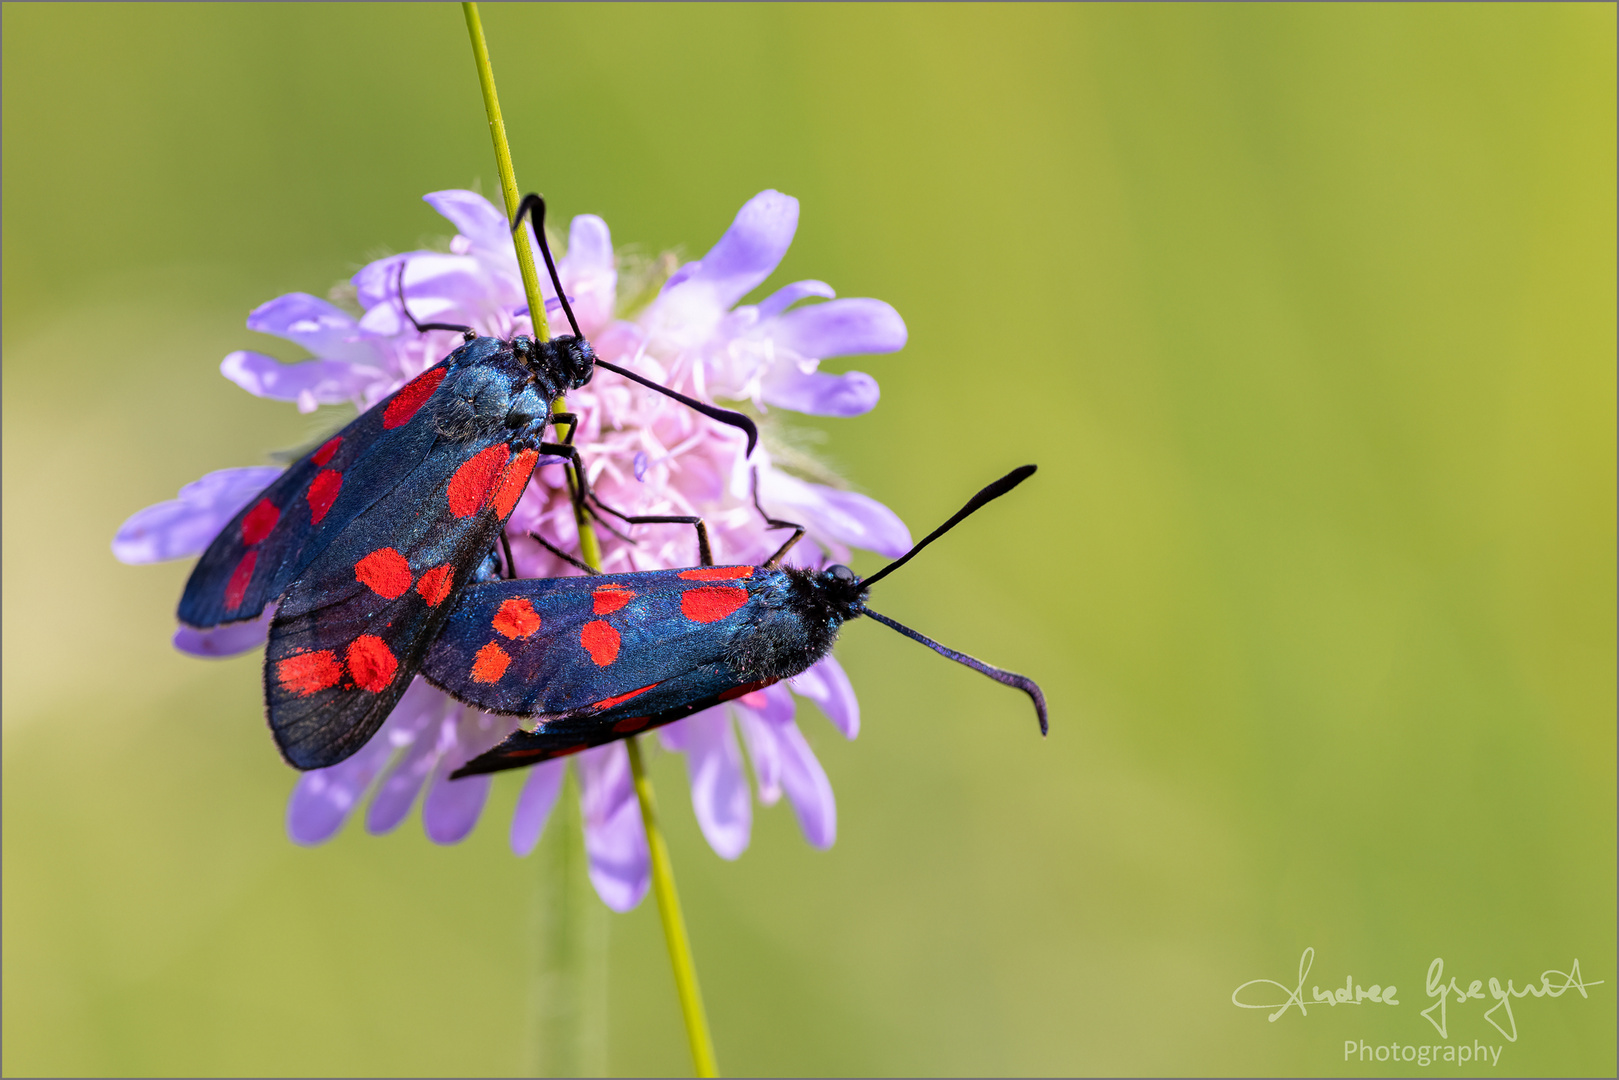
<point x="843" y="585"/>
<point x="575" y="360"/>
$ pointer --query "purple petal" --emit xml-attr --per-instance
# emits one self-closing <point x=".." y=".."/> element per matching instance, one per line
<point x="474" y="217"/>
<point x="311" y="383"/>
<point x="590" y="247"/>
<point x="773" y="704"/>
<point x="788" y="295"/>
<point x="441" y="288"/>
<point x="840" y="328"/>
<point x="324" y="798"/>
<point x="763" y="714"/>
<point x="188" y="524"/>
<point x="226" y="639"/>
<point x="419" y="723"/>
<point x="681" y="274"/>
<point x="816" y="394"/>
<point x="452" y="807"/>
<point x="807" y="788"/>
<point x="321" y="327"/>
<point x="828" y="687"/>
<point x="534" y="804"/>
<point x="589" y="273"/>
<point x="764" y="750"/>
<point x="615" y="839"/>
<point x="719" y="787"/>
<point x="844" y="516"/>
<point x="377" y="283"/>
<point x="748" y="252"/>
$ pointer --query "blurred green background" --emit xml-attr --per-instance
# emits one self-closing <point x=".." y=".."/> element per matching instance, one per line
<point x="1307" y="315"/>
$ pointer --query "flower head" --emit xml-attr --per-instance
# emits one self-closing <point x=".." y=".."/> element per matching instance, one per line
<point x="646" y="455"/>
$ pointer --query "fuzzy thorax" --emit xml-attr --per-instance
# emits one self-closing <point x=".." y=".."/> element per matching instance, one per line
<point x="803" y="610"/>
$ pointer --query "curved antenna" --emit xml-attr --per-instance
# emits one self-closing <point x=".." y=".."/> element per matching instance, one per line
<point x="989" y="494"/>
<point x="423" y="327"/>
<point x="1008" y="678"/>
<point x="724" y="416"/>
<point x="534" y="206"/>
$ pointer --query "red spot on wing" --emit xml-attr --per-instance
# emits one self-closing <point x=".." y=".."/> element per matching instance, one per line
<point x="514" y="480"/>
<point x="435" y="584"/>
<point x="717" y="573"/>
<point x="711" y="603"/>
<point x="412" y="396"/>
<point x="324" y="454"/>
<point x="566" y="750"/>
<point x="516" y="618"/>
<point x="610" y="702"/>
<point x="490" y="663"/>
<point x="601" y="641"/>
<point x="259" y="521"/>
<point x="322" y="494"/>
<point x="309" y="672"/>
<point x="609" y="598"/>
<point x="474" y="480"/>
<point x="385" y="572"/>
<point x="236" y="587"/>
<point x="631" y="723"/>
<point x="371" y="663"/>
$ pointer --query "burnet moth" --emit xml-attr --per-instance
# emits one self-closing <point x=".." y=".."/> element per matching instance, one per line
<point x="598" y="658"/>
<point x="364" y="543"/>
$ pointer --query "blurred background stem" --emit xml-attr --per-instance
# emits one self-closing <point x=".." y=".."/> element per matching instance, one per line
<point x="569" y="1007"/>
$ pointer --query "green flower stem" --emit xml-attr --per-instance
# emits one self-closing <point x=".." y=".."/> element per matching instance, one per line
<point x="508" y="176"/>
<point x="663" y="878"/>
<point x="674" y="924"/>
<point x="589" y="547"/>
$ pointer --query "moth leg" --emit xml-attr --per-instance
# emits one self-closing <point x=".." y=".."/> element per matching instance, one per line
<point x="506" y="549"/>
<point x="563" y="555"/>
<point x="704" y="552"/>
<point x="798" y="530"/>
<point x="466" y="332"/>
<point x="568" y="418"/>
<point x="581" y="493"/>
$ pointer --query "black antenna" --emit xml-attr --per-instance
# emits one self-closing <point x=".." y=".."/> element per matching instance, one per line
<point x="989" y="494"/>
<point x="534" y="206"/>
<point x="1008" y="678"/>
<point x="423" y="327"/>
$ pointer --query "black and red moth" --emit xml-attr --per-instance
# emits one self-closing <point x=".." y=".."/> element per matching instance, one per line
<point x="364" y="543"/>
<point x="596" y="659"/>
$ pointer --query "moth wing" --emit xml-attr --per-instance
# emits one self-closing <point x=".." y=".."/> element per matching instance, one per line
<point x="276" y="535"/>
<point x="553" y="646"/>
<point x="350" y="631"/>
<point x="559" y="735"/>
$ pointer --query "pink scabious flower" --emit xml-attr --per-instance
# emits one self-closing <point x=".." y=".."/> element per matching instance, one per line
<point x="646" y="455"/>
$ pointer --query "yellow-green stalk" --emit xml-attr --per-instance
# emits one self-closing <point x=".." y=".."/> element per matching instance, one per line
<point x="663" y="878"/>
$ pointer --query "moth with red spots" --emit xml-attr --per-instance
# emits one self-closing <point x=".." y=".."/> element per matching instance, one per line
<point x="362" y="544"/>
<point x="596" y="659"/>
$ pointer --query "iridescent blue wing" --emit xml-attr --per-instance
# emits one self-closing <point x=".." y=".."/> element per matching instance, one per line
<point x="351" y="627"/>
<point x="597" y="658"/>
<point x="273" y="538"/>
